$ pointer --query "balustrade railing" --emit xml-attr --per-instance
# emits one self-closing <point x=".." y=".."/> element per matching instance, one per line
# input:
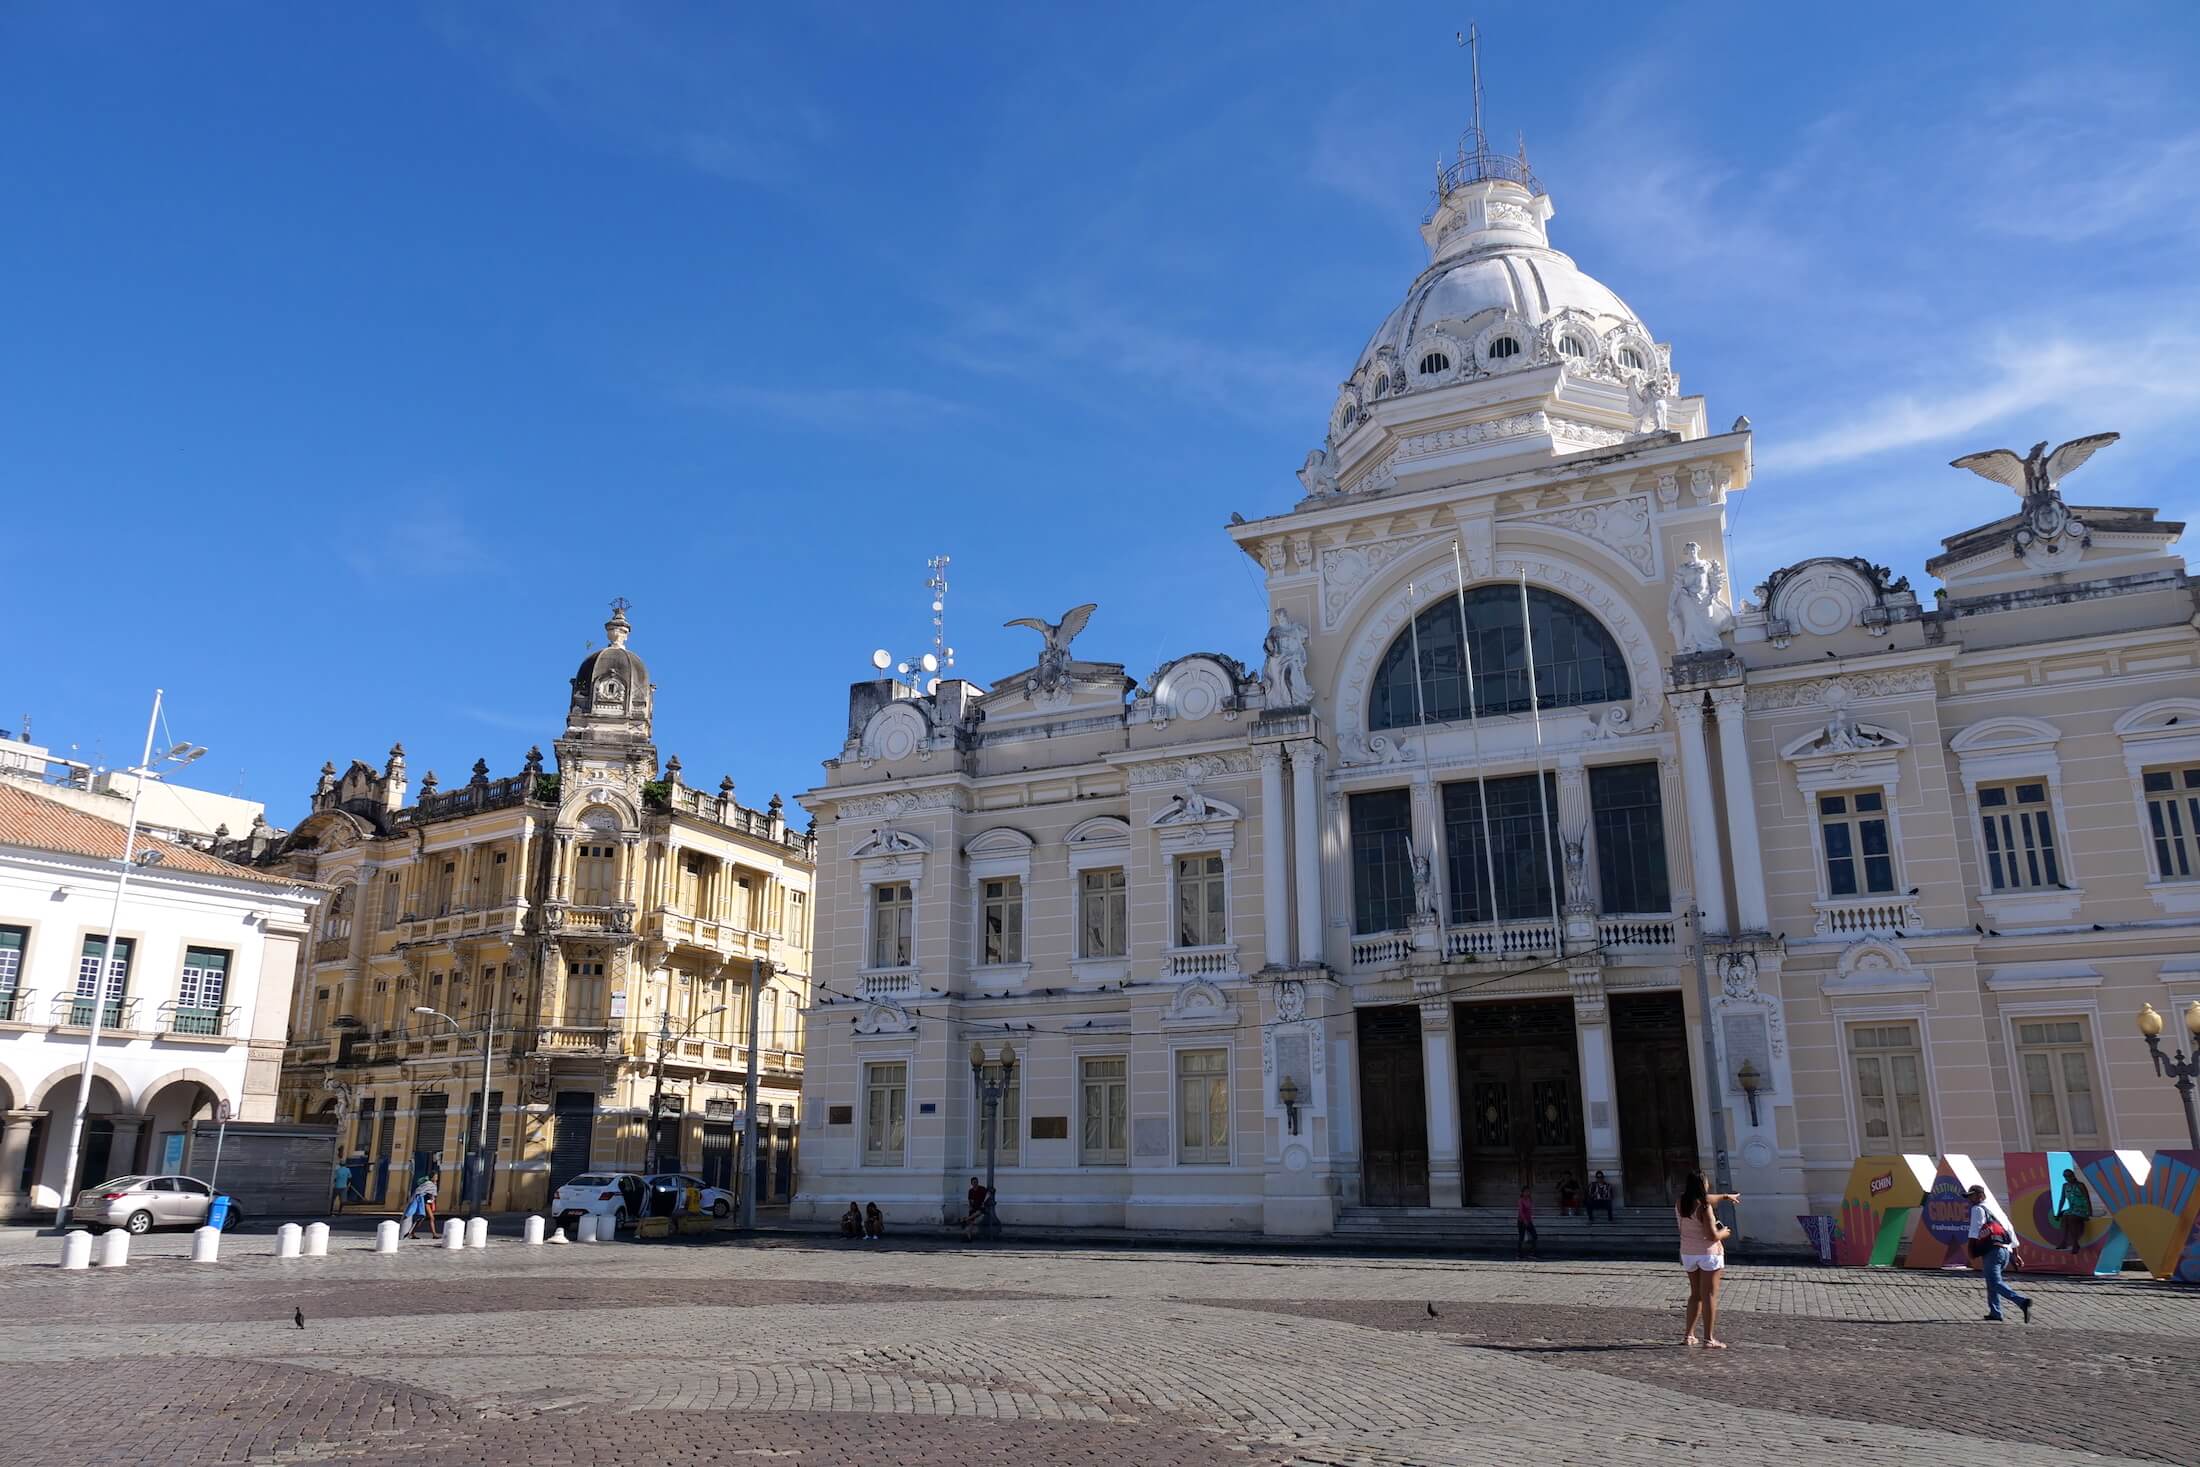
<point x="1502" y="941"/>
<point x="1863" y="915"/>
<point x="1636" y="933"/>
<point x="1381" y="949"/>
<point x="178" y="1018"/>
<point x="15" y="1005"/>
<point x="890" y="983"/>
<point x="1200" y="962"/>
<point x="576" y="1039"/>
<point x="70" y="1009"/>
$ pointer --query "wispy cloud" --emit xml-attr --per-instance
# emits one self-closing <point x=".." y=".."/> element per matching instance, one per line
<point x="425" y="538"/>
<point x="849" y="409"/>
<point x="512" y="722"/>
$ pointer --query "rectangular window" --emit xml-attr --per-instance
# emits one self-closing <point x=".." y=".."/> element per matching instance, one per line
<point x="1382" y="861"/>
<point x="2019" y="836"/>
<point x="1002" y="904"/>
<point x="389" y="900"/>
<point x="798" y="918"/>
<point x="1852" y="830"/>
<point x="1890" y="1087"/>
<point x="584" y="994"/>
<point x="1104" y="924"/>
<point x="87" y="980"/>
<point x="885" y="1111"/>
<point x="1525" y="851"/>
<point x="446" y="880"/>
<point x="893" y="924"/>
<point x="695" y="873"/>
<point x="1104" y="1128"/>
<point x="2055" y="1058"/>
<point x="1627" y="811"/>
<point x="594" y="874"/>
<point x="12" y="942"/>
<point x="2173" y="818"/>
<point x="200" y="990"/>
<point x="499" y="873"/>
<point x="1200" y="919"/>
<point x="1007" y="1114"/>
<point x="1203" y="1107"/>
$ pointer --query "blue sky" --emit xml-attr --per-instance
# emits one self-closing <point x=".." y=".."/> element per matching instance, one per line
<point x="355" y="356"/>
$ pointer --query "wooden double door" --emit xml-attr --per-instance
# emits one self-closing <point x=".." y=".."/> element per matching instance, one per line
<point x="1519" y="1100"/>
<point x="1657" y="1106"/>
<point x="1393" y="1109"/>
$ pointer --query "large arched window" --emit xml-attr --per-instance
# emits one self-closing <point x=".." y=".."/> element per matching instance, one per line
<point x="1576" y="660"/>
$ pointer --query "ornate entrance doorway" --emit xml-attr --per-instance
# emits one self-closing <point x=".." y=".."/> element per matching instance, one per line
<point x="1519" y="1099"/>
<point x="1657" y="1107"/>
<point x="1393" y="1109"/>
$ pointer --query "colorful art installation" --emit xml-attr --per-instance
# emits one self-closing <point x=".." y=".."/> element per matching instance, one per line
<point x="1908" y="1209"/>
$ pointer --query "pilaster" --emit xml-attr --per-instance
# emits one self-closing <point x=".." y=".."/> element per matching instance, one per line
<point x="1306" y="773"/>
<point x="1741" y="812"/>
<point x="1275" y="862"/>
<point x="1703" y="817"/>
<point x="1440" y="1091"/>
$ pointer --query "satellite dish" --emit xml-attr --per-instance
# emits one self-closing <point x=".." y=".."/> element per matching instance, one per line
<point x="882" y="659"/>
<point x="939" y="606"/>
<point x="903" y="668"/>
<point x="931" y="687"/>
<point x="931" y="663"/>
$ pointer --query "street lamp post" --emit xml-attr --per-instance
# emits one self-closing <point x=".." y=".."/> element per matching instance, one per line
<point x="2181" y="1070"/>
<point x="477" y="1193"/>
<point x="992" y="1082"/>
<point x="657" y="1093"/>
<point x="103" y="976"/>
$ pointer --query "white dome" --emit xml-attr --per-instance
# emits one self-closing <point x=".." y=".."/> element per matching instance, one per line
<point x="1496" y="298"/>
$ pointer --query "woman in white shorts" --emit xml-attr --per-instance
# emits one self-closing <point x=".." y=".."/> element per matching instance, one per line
<point x="1703" y="1254"/>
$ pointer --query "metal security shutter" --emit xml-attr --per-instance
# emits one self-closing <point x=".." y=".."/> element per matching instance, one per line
<point x="573" y="1141"/>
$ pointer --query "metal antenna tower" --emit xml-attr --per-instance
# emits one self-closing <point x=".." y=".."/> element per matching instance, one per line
<point x="936" y="583"/>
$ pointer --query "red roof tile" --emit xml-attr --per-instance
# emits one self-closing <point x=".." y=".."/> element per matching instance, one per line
<point x="28" y="818"/>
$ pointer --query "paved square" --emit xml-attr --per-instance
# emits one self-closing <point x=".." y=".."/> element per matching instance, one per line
<point x="812" y="1353"/>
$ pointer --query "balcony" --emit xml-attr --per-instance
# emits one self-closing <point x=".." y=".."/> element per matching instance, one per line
<point x="1865" y="916"/>
<point x="1520" y="941"/>
<point x="721" y="939"/>
<point x="1503" y="942"/>
<point x="459" y="922"/>
<point x="15" y="1005"/>
<point x="1641" y="933"/>
<point x="888" y="983"/>
<point x="71" y="1011"/>
<point x="616" y="918"/>
<point x="1218" y="960"/>
<point x="194" y="1022"/>
<point x="1381" y="949"/>
<point x="579" y="1041"/>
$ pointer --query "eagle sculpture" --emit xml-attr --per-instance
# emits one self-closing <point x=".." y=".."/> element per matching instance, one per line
<point x="1052" y="673"/>
<point x="2038" y="472"/>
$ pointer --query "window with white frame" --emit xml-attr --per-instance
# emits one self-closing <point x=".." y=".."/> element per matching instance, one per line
<point x="12" y="942"/>
<point x="499" y="874"/>
<point x="118" y="968"/>
<point x="1200" y="912"/>
<point x="336" y="916"/>
<point x="2055" y="1066"/>
<point x="390" y="898"/>
<point x="204" y="980"/>
<point x="2017" y="836"/>
<point x="595" y="873"/>
<point x="1103" y="1134"/>
<point x="1001" y="914"/>
<point x="885" y="1113"/>
<point x="767" y="1020"/>
<point x="446" y="878"/>
<point x="1103" y="913"/>
<point x="893" y="924"/>
<point x="1005" y="1120"/>
<point x="1852" y="831"/>
<point x="798" y="918"/>
<point x="1203" y="1107"/>
<point x="584" y="993"/>
<point x="2173" y="820"/>
<point x="1889" y="1069"/>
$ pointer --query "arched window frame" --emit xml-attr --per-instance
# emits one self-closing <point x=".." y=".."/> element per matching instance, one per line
<point x="1578" y="661"/>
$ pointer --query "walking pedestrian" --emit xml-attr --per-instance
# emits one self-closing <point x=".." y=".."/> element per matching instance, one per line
<point x="2074" y="1210"/>
<point x="1992" y="1246"/>
<point x="340" y="1184"/>
<point x="1703" y="1254"/>
<point x="420" y="1207"/>
<point x="1524" y="1224"/>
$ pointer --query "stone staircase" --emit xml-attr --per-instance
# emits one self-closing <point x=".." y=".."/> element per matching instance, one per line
<point x="1637" y="1232"/>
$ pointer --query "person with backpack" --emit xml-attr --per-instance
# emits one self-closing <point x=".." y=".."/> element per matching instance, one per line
<point x="2074" y="1210"/>
<point x="1991" y="1245"/>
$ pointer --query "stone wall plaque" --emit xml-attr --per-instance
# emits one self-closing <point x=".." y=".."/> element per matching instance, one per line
<point x="1150" y="1136"/>
<point x="840" y="1115"/>
<point x="1747" y="1036"/>
<point x="1050" y="1128"/>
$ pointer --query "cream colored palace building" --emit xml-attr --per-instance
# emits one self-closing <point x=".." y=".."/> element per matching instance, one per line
<point x="1357" y="930"/>
<point x="595" y="917"/>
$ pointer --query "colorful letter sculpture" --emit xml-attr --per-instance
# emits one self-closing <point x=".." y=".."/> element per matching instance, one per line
<point x="1883" y="1194"/>
<point x="2035" y="1190"/>
<point x="2156" y="1206"/>
<point x="1943" y="1240"/>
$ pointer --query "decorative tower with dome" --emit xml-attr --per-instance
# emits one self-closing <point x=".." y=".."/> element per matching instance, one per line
<point x="608" y="721"/>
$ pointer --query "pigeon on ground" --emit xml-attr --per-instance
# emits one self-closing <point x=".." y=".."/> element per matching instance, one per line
<point x="298" y="1317"/>
<point x="1431" y="1307"/>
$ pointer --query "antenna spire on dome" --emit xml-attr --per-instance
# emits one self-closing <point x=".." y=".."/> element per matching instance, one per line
<point x="618" y="627"/>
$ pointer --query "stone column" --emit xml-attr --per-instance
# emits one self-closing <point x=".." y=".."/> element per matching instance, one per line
<point x="1741" y="813"/>
<point x="1306" y="774"/>
<point x="1440" y="1091"/>
<point x="1703" y="820"/>
<point x="122" y="1157"/>
<point x="15" y="1148"/>
<point x="1593" y="1041"/>
<point x="1275" y="860"/>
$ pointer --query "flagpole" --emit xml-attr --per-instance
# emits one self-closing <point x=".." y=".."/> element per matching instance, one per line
<point x="1542" y="799"/>
<point x="1474" y="729"/>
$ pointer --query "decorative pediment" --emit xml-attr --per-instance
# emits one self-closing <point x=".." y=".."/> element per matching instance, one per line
<point x="1200" y="1005"/>
<point x="894" y="732"/>
<point x="1104" y="840"/>
<point x="999" y="852"/>
<point x="1843" y="735"/>
<point x="888" y="841"/>
<point x="1875" y="965"/>
<point x="1193" y="688"/>
<point x="1195" y="807"/>
<point x="885" y="1018"/>
<point x="2167" y="717"/>
<point x="2005" y="735"/>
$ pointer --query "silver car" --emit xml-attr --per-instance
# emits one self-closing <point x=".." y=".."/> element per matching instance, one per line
<point x="141" y="1204"/>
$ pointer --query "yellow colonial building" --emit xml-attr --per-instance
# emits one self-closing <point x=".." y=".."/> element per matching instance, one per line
<point x="598" y="925"/>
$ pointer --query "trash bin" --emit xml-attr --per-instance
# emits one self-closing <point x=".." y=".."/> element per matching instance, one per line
<point x="217" y="1212"/>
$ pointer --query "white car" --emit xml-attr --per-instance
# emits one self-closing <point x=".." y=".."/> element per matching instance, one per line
<point x="616" y="1195"/>
<point x="716" y="1201"/>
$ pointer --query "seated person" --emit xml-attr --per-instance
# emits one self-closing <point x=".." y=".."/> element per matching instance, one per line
<point x="1600" y="1195"/>
<point x="975" y="1213"/>
<point x="851" y="1222"/>
<point x="874" y="1223"/>
<point x="1569" y="1197"/>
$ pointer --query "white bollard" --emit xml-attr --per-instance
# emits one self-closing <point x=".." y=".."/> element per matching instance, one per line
<point x="584" y="1228"/>
<point x="477" y="1232"/>
<point x="454" y="1234"/>
<point x="534" y="1230"/>
<point x="385" y="1237"/>
<point x="114" y="1248"/>
<point x="288" y="1237"/>
<point x="76" y="1249"/>
<point x="206" y="1245"/>
<point x="316" y="1240"/>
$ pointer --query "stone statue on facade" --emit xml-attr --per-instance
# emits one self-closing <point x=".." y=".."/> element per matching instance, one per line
<point x="1696" y="609"/>
<point x="2037" y="477"/>
<point x="1424" y="888"/>
<point x="1284" y="675"/>
<point x="1577" y="875"/>
<point x="1052" y="673"/>
<point x="1317" y="474"/>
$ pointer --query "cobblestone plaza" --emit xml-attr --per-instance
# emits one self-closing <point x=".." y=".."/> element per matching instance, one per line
<point x="808" y="1353"/>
